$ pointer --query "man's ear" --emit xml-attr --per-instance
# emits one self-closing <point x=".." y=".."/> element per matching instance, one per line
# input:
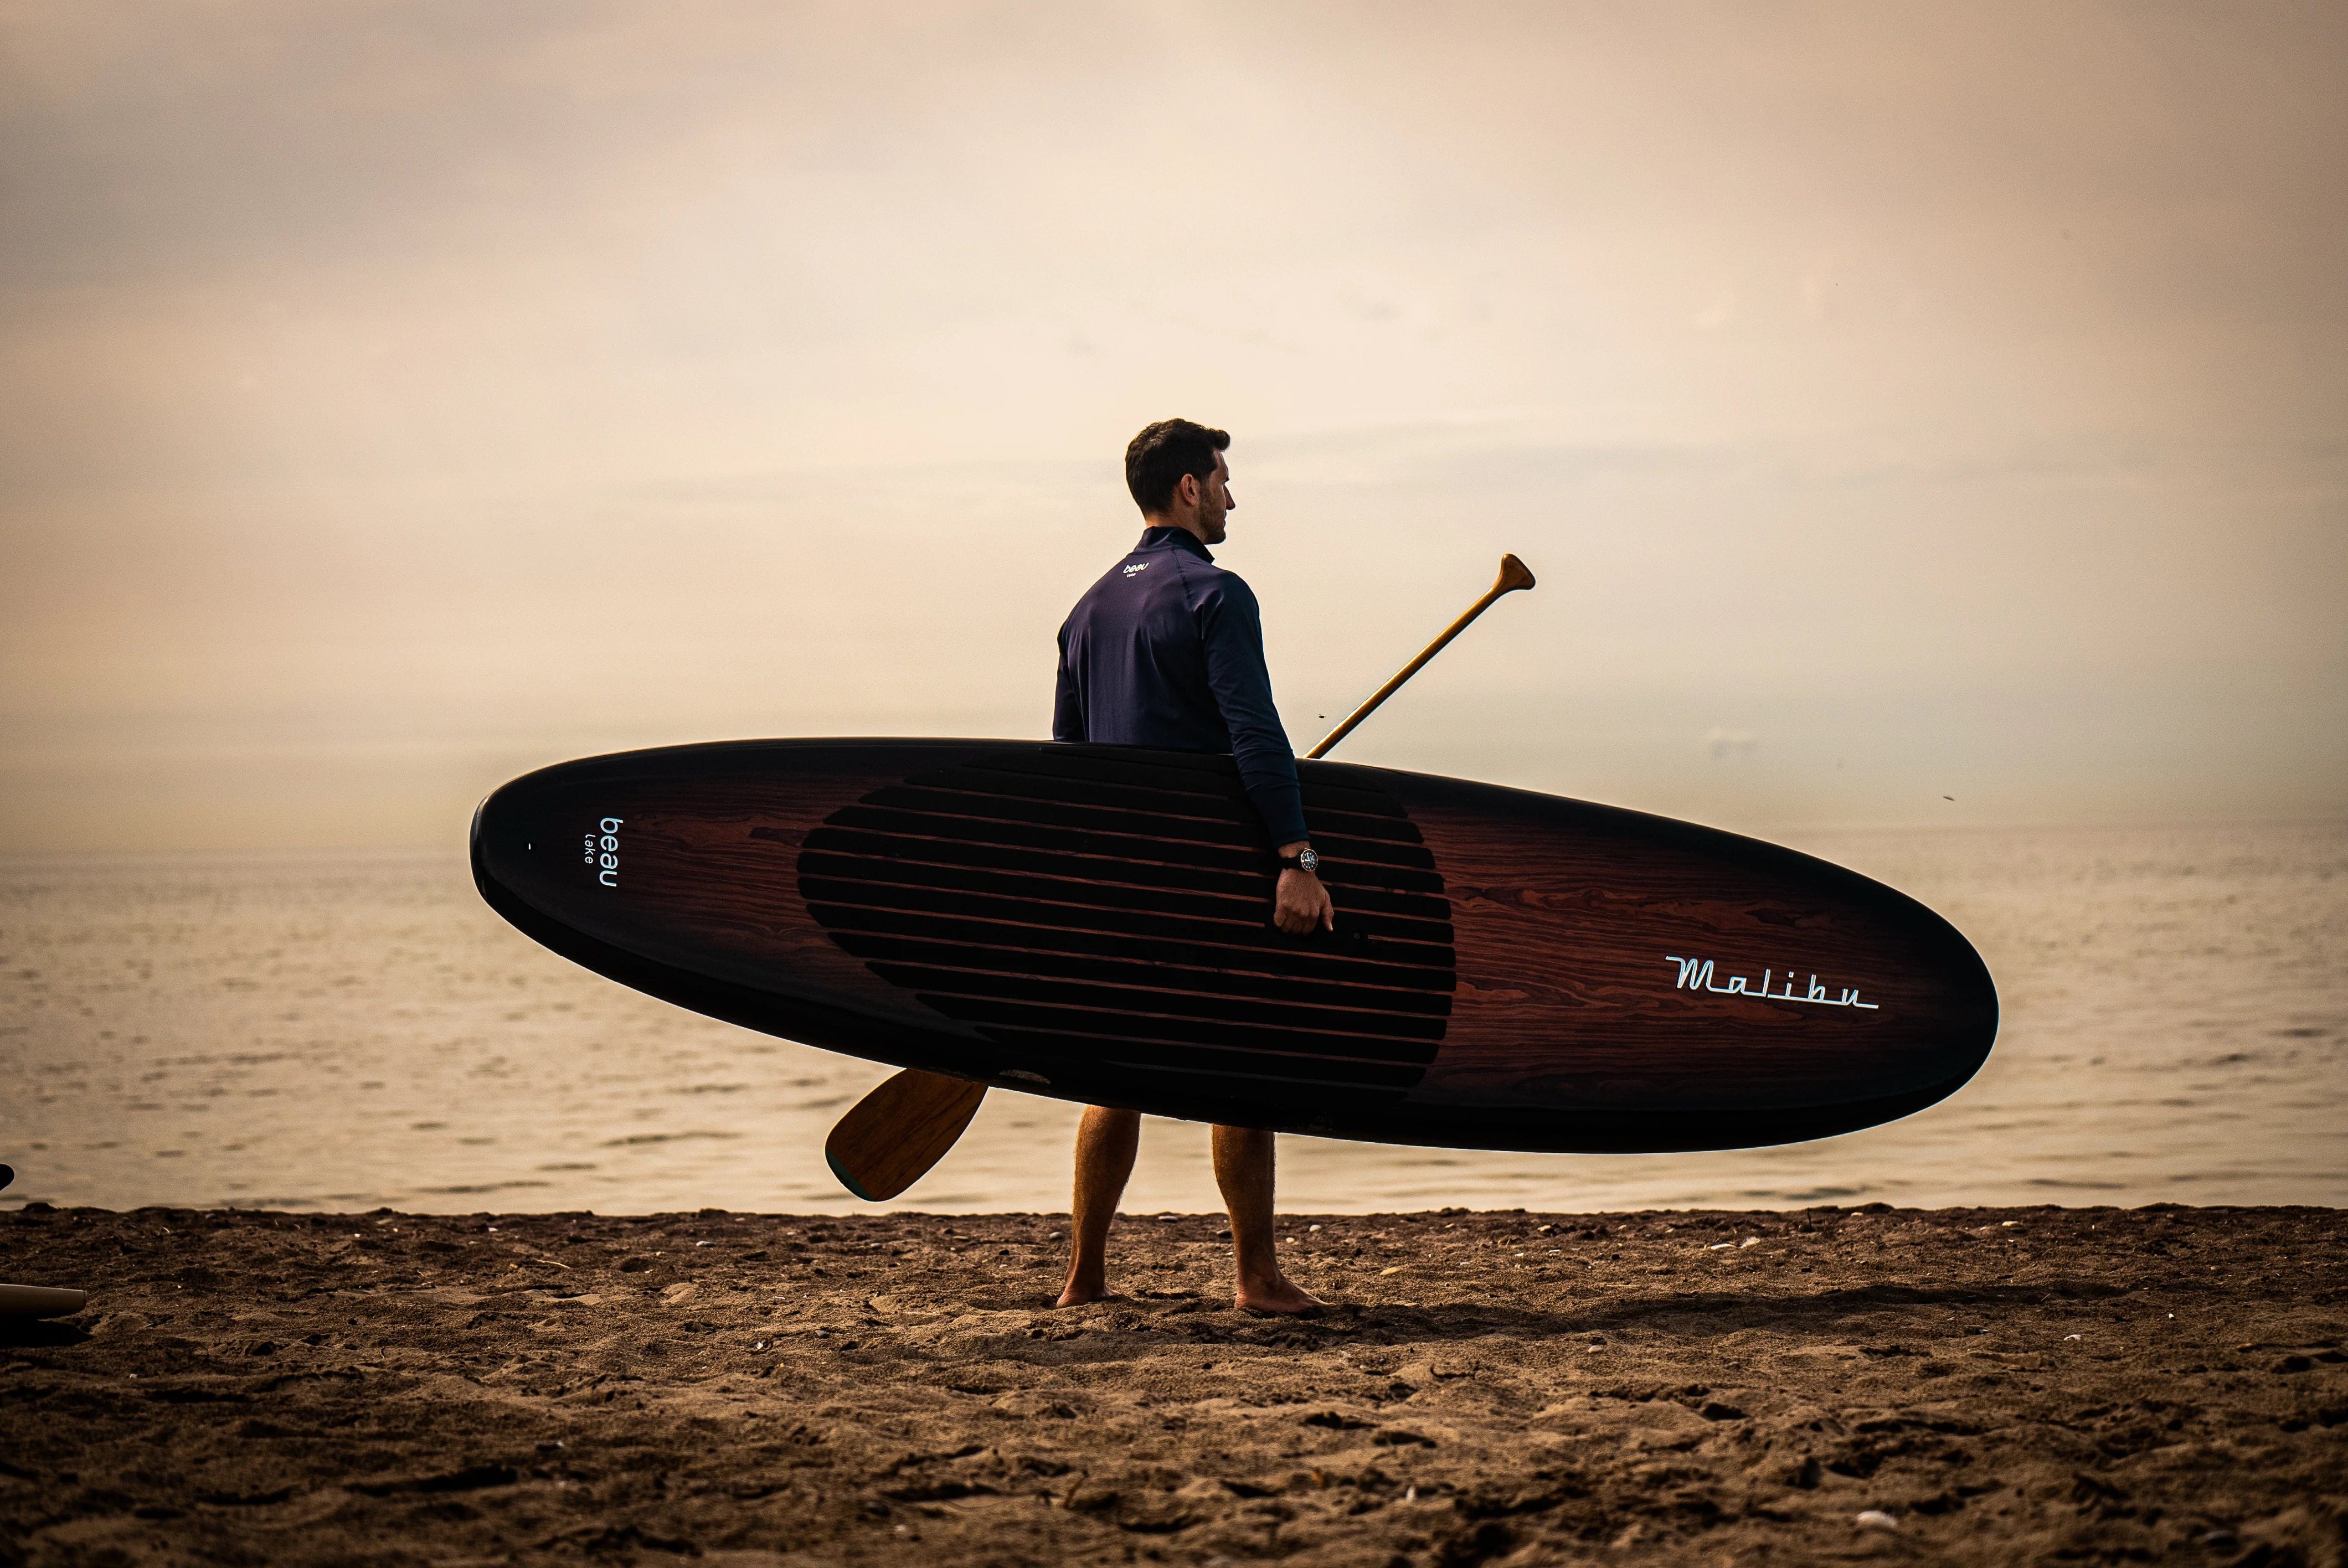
<point x="1186" y="490"/>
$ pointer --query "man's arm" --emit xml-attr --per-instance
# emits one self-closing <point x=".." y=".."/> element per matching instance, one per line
<point x="1232" y="629"/>
<point x="1067" y="700"/>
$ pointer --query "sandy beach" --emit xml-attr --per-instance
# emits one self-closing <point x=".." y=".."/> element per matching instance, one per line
<point x="1964" y="1385"/>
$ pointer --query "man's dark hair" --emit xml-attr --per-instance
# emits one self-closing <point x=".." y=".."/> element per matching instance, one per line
<point x="1156" y="460"/>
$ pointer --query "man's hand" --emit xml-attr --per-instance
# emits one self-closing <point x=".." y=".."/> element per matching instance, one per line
<point x="1300" y="904"/>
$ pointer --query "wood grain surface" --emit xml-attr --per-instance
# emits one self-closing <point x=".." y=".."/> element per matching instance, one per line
<point x="890" y="1139"/>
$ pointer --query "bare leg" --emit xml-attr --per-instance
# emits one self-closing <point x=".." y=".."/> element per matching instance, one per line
<point x="1244" y="1160"/>
<point x="1106" y="1141"/>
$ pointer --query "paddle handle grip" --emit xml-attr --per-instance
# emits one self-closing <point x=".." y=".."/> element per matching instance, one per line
<point x="1514" y="575"/>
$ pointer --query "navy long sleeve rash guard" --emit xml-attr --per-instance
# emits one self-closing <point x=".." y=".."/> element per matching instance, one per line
<point x="1168" y="650"/>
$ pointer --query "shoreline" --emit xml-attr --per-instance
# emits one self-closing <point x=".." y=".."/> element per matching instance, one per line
<point x="1963" y="1385"/>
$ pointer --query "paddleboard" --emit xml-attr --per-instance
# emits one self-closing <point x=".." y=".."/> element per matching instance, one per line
<point x="36" y="1300"/>
<point x="1509" y="969"/>
<point x="41" y="1301"/>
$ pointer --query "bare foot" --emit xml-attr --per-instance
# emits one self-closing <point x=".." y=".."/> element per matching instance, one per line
<point x="1077" y="1294"/>
<point x="1276" y="1298"/>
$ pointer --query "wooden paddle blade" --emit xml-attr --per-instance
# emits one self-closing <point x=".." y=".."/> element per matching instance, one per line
<point x="893" y="1135"/>
<point x="1514" y="574"/>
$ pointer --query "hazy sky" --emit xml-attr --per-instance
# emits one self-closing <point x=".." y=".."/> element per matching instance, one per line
<point x="1897" y="402"/>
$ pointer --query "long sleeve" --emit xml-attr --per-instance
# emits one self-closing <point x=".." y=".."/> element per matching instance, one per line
<point x="1067" y="700"/>
<point x="1232" y="629"/>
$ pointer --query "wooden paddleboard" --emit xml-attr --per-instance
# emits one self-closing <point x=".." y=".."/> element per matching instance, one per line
<point x="1510" y="971"/>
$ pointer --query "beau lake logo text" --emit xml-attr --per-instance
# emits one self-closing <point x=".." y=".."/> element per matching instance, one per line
<point x="603" y="852"/>
<point x="1696" y="975"/>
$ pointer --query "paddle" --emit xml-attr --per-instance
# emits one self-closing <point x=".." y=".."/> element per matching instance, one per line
<point x="1514" y="575"/>
<point x="891" y="1138"/>
<point x="893" y="1135"/>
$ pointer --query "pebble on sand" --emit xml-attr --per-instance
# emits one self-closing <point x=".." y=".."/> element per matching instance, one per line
<point x="1876" y="1519"/>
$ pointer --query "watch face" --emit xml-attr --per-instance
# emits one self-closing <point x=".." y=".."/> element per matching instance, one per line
<point x="1308" y="861"/>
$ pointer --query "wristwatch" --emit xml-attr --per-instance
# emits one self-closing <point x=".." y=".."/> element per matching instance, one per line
<point x="1304" y="859"/>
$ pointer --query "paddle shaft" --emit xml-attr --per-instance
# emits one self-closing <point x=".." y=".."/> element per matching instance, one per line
<point x="1514" y="575"/>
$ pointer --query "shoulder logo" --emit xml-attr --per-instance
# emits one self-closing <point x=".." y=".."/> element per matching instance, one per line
<point x="1132" y="567"/>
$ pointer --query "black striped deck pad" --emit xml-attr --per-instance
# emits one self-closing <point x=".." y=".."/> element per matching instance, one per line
<point x="1084" y="907"/>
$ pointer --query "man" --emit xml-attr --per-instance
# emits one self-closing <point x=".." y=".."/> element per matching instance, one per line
<point x="1168" y="650"/>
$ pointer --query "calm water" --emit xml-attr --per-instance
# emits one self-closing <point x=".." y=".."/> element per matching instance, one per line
<point x="343" y="1032"/>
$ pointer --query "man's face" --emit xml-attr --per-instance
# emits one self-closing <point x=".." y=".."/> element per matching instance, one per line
<point x="1215" y="501"/>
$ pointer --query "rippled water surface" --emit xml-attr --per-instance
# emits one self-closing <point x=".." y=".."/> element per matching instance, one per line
<point x="344" y="1032"/>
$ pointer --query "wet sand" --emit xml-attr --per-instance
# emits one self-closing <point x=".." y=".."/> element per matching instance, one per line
<point x="1963" y="1386"/>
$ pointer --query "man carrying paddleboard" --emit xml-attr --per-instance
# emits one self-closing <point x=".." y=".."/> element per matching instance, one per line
<point x="1167" y="651"/>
